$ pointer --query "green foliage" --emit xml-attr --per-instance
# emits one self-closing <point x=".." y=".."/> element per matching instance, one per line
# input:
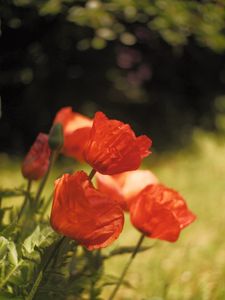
<point x="9" y="193"/>
<point x="22" y="259"/>
<point x="174" y="20"/>
<point x="77" y="273"/>
<point x="3" y="247"/>
<point x="155" y="56"/>
<point x="36" y="263"/>
<point x="73" y="272"/>
<point x="38" y="239"/>
<point x="126" y="250"/>
<point x="184" y="270"/>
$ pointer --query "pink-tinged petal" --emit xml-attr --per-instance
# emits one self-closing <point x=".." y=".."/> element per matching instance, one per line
<point x="124" y="186"/>
<point x="76" y="129"/>
<point x="71" y="121"/>
<point x="75" y="143"/>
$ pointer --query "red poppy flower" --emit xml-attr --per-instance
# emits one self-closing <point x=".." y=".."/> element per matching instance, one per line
<point x="76" y="129"/>
<point x="125" y="186"/>
<point x="36" y="162"/>
<point x="113" y="147"/>
<point x="83" y="213"/>
<point x="160" y="212"/>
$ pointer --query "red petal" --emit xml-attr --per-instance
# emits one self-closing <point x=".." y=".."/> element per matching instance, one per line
<point x="144" y="143"/>
<point x="75" y="143"/>
<point x="160" y="212"/>
<point x="84" y="214"/>
<point x="113" y="147"/>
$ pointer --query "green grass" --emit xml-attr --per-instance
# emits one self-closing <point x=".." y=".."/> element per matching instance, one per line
<point x="192" y="268"/>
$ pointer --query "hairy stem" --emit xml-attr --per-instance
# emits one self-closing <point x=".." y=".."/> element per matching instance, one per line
<point x="11" y="272"/>
<point x="44" y="180"/>
<point x="39" y="277"/>
<point x="45" y="208"/>
<point x="92" y="174"/>
<point x="112" y="296"/>
<point x="29" y="183"/>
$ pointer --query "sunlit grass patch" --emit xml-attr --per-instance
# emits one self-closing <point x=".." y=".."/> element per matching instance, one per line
<point x="192" y="268"/>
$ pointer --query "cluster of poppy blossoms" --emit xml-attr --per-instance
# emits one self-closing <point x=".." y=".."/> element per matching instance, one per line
<point x="94" y="215"/>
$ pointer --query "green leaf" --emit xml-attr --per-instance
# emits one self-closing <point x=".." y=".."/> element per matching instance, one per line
<point x="10" y="274"/>
<point x="10" y="230"/>
<point x="7" y="296"/>
<point x="31" y="250"/>
<point x="127" y="250"/>
<point x="3" y="247"/>
<point x="12" y="254"/>
<point x="30" y="242"/>
<point x="43" y="267"/>
<point x="8" y="193"/>
<point x="3" y="210"/>
<point x="39" y="238"/>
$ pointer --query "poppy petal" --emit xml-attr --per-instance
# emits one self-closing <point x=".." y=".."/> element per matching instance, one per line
<point x="84" y="214"/>
<point x="76" y="129"/>
<point x="124" y="186"/>
<point x="160" y="212"/>
<point x="113" y="147"/>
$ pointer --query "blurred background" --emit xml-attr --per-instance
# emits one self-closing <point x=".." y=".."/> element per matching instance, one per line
<point x="159" y="65"/>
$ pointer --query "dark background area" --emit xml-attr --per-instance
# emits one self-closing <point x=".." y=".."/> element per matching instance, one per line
<point x="161" y="89"/>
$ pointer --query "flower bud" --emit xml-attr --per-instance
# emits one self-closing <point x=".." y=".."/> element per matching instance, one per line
<point x="56" y="138"/>
<point x="36" y="162"/>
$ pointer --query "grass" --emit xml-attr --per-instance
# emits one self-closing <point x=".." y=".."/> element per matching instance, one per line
<point x="192" y="268"/>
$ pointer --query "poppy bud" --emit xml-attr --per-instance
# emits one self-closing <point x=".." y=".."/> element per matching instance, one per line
<point x="56" y="138"/>
<point x="36" y="162"/>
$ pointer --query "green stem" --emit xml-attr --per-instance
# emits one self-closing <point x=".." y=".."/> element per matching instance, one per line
<point x="5" y="280"/>
<point x="48" y="202"/>
<point x="92" y="174"/>
<point x="41" y="272"/>
<point x="44" y="180"/>
<point x="112" y="296"/>
<point x="29" y="183"/>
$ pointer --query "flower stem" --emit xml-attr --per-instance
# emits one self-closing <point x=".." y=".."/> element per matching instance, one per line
<point x="41" y="272"/>
<point x="112" y="296"/>
<point x="29" y="183"/>
<point x="5" y="280"/>
<point x="45" y="208"/>
<point x="44" y="180"/>
<point x="92" y="174"/>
